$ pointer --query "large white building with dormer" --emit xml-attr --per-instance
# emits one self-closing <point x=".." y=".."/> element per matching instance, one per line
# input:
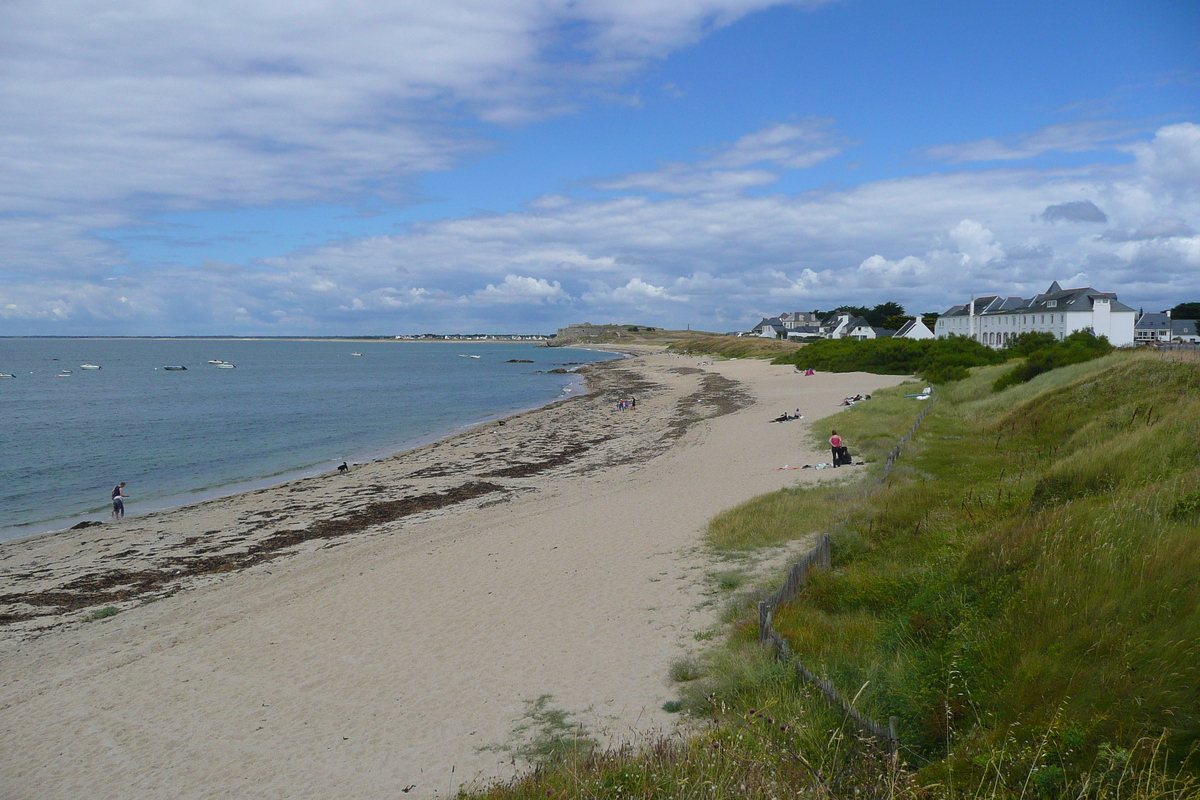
<point x="995" y="320"/>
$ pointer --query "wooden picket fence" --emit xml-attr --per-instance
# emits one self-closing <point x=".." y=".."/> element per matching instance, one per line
<point x="797" y="579"/>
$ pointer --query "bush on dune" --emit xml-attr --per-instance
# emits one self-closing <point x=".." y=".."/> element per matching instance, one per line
<point x="936" y="360"/>
<point x="1044" y="353"/>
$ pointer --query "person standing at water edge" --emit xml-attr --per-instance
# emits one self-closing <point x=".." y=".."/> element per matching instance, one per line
<point x="118" y="498"/>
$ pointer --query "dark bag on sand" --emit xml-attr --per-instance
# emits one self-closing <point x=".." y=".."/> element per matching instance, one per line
<point x="842" y="457"/>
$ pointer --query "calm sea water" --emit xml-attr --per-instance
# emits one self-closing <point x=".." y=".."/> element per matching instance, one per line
<point x="289" y="408"/>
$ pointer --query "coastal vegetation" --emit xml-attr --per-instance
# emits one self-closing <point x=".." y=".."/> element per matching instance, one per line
<point x="935" y="360"/>
<point x="1043" y="353"/>
<point x="1022" y="593"/>
<point x="735" y="346"/>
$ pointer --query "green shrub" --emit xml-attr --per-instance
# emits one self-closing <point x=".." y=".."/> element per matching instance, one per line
<point x="1043" y="356"/>
<point x="937" y="360"/>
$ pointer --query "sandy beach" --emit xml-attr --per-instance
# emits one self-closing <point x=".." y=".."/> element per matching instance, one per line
<point x="381" y="633"/>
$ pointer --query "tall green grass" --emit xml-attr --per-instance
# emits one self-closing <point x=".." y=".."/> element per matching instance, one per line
<point x="1032" y="566"/>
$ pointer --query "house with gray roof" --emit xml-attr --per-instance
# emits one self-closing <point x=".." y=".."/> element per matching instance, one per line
<point x="770" y="328"/>
<point x="994" y="320"/>
<point x="1151" y="328"/>
<point x="915" y="328"/>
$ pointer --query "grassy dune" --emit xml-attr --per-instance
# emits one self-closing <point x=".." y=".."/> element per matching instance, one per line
<point x="1023" y="594"/>
<point x="735" y="346"/>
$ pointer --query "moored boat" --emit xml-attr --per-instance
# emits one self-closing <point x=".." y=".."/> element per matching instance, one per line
<point x="7" y="375"/>
<point x="226" y="365"/>
<point x="89" y="366"/>
<point x="356" y="354"/>
<point x="175" y="368"/>
<point x="215" y="361"/>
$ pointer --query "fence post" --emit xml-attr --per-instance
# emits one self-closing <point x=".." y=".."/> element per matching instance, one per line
<point x="762" y="620"/>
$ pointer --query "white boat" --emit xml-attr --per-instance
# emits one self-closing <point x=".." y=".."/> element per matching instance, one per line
<point x="356" y="354"/>
<point x="464" y="355"/>
<point x="226" y="365"/>
<point x="7" y="375"/>
<point x="175" y="368"/>
<point x="89" y="366"/>
<point x="216" y="361"/>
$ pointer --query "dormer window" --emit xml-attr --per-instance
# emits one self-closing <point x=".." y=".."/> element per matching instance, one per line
<point x="1051" y="304"/>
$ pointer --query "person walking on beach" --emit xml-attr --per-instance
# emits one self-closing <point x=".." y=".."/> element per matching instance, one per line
<point x="118" y="498"/>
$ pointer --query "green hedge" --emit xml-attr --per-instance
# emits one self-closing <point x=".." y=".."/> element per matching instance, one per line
<point x="936" y="360"/>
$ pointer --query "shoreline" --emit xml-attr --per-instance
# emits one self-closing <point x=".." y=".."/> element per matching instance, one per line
<point x="387" y="630"/>
<point x="179" y="500"/>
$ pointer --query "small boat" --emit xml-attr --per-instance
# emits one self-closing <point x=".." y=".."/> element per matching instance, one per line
<point x="215" y="361"/>
<point x="63" y="373"/>
<point x="7" y="375"/>
<point x="226" y="365"/>
<point x="356" y="354"/>
<point x="175" y="368"/>
<point x="464" y="355"/>
<point x="89" y="366"/>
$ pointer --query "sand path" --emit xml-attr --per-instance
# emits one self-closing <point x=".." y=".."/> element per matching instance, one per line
<point x="392" y="658"/>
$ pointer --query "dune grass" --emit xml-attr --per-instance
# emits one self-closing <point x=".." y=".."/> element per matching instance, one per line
<point x="1032" y="567"/>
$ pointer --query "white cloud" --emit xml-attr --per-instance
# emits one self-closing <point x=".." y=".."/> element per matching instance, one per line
<point x="755" y="159"/>
<point x="520" y="289"/>
<point x="117" y="112"/>
<point x="975" y="242"/>
<point x="714" y="260"/>
<point x="1072" y="137"/>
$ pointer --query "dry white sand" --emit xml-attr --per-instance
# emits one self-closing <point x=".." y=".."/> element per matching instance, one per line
<point x="402" y="654"/>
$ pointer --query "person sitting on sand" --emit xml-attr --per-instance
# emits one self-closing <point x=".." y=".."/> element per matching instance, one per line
<point x="118" y="500"/>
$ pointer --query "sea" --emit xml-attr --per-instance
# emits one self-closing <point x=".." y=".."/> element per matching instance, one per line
<point x="288" y="409"/>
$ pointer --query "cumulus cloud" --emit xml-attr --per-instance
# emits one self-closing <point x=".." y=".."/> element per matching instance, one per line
<point x="520" y="289"/>
<point x="1074" y="211"/>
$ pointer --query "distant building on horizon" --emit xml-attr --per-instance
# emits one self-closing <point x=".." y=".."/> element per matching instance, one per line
<point x="995" y="320"/>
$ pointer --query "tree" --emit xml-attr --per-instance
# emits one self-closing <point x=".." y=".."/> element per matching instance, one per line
<point x="930" y="319"/>
<point x="895" y="323"/>
<point x="1186" y="311"/>
<point x="879" y="314"/>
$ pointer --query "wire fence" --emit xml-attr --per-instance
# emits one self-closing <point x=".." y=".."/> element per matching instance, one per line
<point x="820" y="556"/>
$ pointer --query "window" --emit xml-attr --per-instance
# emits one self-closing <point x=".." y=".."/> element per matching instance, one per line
<point x="1051" y="304"/>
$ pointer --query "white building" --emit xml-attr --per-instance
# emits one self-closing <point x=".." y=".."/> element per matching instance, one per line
<point x="1153" y="328"/>
<point x="915" y="329"/>
<point x="995" y="320"/>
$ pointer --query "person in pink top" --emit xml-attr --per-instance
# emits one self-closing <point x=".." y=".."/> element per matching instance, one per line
<point x="835" y="444"/>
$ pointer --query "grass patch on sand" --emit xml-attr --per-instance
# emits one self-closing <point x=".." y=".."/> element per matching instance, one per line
<point x="102" y="613"/>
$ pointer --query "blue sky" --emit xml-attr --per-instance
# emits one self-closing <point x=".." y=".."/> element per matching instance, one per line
<point x="390" y="168"/>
